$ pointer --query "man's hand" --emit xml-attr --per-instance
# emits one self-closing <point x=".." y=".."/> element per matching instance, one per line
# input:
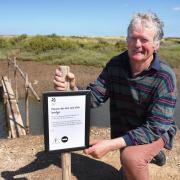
<point x="59" y="81"/>
<point x="99" y="148"/>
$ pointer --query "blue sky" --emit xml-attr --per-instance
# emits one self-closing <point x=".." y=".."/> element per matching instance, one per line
<point x="83" y="17"/>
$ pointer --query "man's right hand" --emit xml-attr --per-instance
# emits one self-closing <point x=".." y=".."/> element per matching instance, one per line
<point x="59" y="81"/>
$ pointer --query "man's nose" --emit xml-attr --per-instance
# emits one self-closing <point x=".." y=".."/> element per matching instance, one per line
<point x="138" y="43"/>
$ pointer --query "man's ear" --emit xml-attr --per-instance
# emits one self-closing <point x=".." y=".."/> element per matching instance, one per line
<point x="156" y="45"/>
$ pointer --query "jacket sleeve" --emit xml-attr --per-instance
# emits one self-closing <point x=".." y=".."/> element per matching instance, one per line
<point x="159" y="123"/>
<point x="99" y="89"/>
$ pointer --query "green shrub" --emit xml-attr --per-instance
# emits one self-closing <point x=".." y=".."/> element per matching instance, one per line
<point x="121" y="45"/>
<point x="39" y="44"/>
<point x="94" y="51"/>
<point x="3" y="43"/>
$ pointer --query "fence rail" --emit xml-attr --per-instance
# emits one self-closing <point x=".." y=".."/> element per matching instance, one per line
<point x="23" y="75"/>
<point x="28" y="86"/>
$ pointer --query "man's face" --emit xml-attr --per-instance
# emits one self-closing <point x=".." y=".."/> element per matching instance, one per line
<point x="141" y="44"/>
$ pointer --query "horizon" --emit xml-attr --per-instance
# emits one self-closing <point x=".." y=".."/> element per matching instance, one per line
<point x="89" y="36"/>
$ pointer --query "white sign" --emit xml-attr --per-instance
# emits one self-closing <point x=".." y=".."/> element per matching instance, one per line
<point x="66" y="121"/>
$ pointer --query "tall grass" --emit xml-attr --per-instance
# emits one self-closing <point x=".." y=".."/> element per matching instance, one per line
<point x="170" y="51"/>
<point x="96" y="51"/>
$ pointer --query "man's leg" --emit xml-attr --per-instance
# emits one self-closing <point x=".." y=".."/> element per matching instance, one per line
<point x="135" y="159"/>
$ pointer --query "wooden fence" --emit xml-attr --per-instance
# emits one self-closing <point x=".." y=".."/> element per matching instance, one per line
<point x="12" y="98"/>
<point x="13" y="116"/>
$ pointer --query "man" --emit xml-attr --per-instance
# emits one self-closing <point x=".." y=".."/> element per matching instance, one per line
<point x="142" y="92"/>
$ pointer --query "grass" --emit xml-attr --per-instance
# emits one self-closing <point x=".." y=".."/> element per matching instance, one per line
<point x="170" y="52"/>
<point x="96" y="51"/>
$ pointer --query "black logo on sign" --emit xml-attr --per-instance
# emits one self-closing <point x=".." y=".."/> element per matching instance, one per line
<point x="53" y="99"/>
<point x="64" y="139"/>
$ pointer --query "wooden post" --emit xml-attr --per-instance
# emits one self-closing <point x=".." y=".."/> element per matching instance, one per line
<point x="8" y="69"/>
<point x="27" y="103"/>
<point x="66" y="157"/>
<point x="15" y="78"/>
<point x="5" y="97"/>
<point x="66" y="166"/>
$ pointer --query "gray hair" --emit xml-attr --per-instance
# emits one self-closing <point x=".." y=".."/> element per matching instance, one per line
<point x="148" y="20"/>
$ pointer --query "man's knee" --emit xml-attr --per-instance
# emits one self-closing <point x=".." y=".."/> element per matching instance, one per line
<point x="132" y="159"/>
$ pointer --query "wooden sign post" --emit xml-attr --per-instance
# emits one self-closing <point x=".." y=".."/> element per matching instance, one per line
<point x="66" y="157"/>
<point x="66" y="122"/>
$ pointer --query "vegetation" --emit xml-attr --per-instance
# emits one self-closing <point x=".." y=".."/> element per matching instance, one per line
<point x="96" y="51"/>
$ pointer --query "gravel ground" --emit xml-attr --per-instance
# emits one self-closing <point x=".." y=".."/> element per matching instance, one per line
<point x="24" y="158"/>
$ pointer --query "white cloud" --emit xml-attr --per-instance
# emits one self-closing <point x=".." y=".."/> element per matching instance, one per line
<point x="177" y="8"/>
